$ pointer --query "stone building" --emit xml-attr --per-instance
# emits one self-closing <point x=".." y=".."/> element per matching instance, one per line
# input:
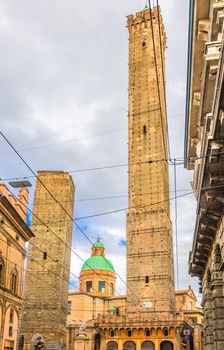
<point x="204" y="153"/>
<point x="43" y="321"/>
<point x="14" y="234"/>
<point x="91" y="303"/>
<point x="147" y="318"/>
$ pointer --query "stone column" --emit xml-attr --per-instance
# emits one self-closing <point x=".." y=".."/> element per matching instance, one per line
<point x="218" y="311"/>
<point x="197" y="338"/>
<point x="120" y="345"/>
<point x="208" y="324"/>
<point x="177" y="345"/>
<point x="2" y="326"/>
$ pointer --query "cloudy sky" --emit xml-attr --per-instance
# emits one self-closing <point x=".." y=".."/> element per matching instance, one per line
<point x="63" y="102"/>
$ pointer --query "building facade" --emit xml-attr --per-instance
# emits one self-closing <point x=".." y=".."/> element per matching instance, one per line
<point x="14" y="234"/>
<point x="204" y="153"/>
<point x="43" y="319"/>
<point x="87" y="306"/>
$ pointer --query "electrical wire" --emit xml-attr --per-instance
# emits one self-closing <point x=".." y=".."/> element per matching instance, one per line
<point x="127" y="208"/>
<point x="64" y="142"/>
<point x="179" y="161"/>
<point x="61" y="206"/>
<point x="112" y="197"/>
<point x="78" y="139"/>
<point x="49" y="270"/>
<point x="163" y="76"/>
<point x="157" y="77"/>
<point x="44" y="224"/>
<point x="90" y="169"/>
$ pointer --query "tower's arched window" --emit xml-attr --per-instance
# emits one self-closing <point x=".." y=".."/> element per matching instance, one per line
<point x="129" y="333"/>
<point x="14" y="281"/>
<point x="2" y="272"/>
<point x="144" y="45"/>
<point x="165" y="332"/>
<point x="147" y="332"/>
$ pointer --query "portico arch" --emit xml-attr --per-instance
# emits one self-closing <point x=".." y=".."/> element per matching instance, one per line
<point x="166" y="345"/>
<point x="112" y="345"/>
<point x="129" y="345"/>
<point x="148" y="345"/>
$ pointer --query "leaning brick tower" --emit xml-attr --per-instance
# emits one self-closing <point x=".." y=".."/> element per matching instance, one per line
<point x="43" y="318"/>
<point x="150" y="268"/>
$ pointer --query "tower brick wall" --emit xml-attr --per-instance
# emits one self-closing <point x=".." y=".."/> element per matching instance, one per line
<point x="150" y="271"/>
<point x="45" y="306"/>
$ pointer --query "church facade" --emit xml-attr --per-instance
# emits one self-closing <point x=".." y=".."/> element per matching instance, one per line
<point x="91" y="305"/>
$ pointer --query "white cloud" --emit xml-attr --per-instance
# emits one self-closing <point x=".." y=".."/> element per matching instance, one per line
<point x="64" y="75"/>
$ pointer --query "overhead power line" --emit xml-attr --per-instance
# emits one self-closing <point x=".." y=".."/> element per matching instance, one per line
<point x="163" y="76"/>
<point x="80" y="229"/>
<point x="51" y="258"/>
<point x="139" y="207"/>
<point x="179" y="161"/>
<point x="66" y="141"/>
<point x="157" y="78"/>
<point x="61" y="206"/>
<point x="44" y="268"/>
<point x="22" y="149"/>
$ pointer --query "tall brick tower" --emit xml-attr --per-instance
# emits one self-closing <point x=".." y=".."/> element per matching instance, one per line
<point x="43" y="321"/>
<point x="150" y="270"/>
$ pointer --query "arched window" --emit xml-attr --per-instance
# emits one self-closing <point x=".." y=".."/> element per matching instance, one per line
<point x="148" y="345"/>
<point x="97" y="342"/>
<point x="147" y="332"/>
<point x="129" y="345"/>
<point x="112" y="345"/>
<point x="166" y="345"/>
<point x="14" y="281"/>
<point x="128" y="332"/>
<point x="2" y="272"/>
<point x="165" y="332"/>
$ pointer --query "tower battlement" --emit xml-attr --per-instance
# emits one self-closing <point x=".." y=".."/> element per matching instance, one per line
<point x="142" y="19"/>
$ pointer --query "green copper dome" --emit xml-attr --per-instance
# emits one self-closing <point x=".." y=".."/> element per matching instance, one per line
<point x="98" y="244"/>
<point x="145" y="8"/>
<point x="97" y="263"/>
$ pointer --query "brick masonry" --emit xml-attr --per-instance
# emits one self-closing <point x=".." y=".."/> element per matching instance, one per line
<point x="150" y="271"/>
<point x="45" y="305"/>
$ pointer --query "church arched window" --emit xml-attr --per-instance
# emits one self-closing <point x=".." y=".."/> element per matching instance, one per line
<point x="2" y="272"/>
<point x="14" y="281"/>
